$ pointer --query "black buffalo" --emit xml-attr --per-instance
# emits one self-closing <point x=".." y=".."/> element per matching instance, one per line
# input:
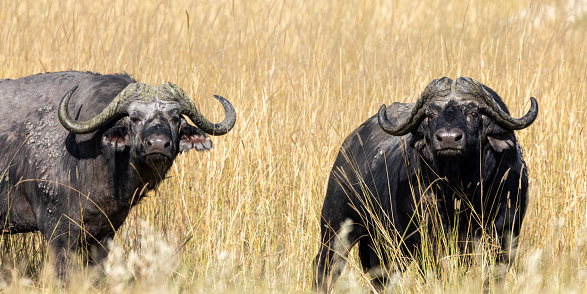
<point x="80" y="149"/>
<point x="449" y="164"/>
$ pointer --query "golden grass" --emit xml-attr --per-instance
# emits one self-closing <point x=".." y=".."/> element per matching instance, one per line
<point x="302" y="75"/>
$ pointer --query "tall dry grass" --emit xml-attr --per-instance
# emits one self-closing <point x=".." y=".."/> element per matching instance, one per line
<point x="302" y="75"/>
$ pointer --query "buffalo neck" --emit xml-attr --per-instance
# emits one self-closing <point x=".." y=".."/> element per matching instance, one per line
<point x="466" y="178"/>
<point x="131" y="180"/>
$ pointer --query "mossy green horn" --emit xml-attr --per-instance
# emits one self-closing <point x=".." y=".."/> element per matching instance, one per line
<point x="142" y="92"/>
<point x="486" y="103"/>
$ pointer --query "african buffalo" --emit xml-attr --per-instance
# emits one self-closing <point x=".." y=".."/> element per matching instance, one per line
<point x="79" y="149"/>
<point x="448" y="165"/>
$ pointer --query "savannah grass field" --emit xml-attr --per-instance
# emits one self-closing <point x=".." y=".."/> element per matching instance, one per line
<point x="244" y="217"/>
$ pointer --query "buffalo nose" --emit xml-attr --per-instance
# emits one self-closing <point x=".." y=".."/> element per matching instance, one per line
<point x="158" y="142"/>
<point x="449" y="139"/>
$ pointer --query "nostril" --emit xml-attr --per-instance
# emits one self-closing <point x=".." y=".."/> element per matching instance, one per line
<point x="458" y="137"/>
<point x="149" y="143"/>
<point x="167" y="144"/>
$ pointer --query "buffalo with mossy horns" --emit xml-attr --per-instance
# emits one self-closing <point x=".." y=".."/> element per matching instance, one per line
<point x="80" y="149"/>
<point x="418" y="176"/>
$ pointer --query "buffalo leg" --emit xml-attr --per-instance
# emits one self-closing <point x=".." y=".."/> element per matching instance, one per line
<point x="62" y="242"/>
<point x="333" y="253"/>
<point x="99" y="250"/>
<point x="371" y="263"/>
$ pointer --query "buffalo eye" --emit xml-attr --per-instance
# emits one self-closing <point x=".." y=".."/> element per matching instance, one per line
<point x="175" y="119"/>
<point x="135" y="120"/>
<point x="473" y="114"/>
<point x="431" y="115"/>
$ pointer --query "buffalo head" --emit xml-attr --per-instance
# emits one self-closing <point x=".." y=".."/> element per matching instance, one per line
<point x="453" y="121"/>
<point x="150" y="124"/>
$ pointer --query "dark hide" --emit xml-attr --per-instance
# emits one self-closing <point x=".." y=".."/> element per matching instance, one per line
<point x="78" y="189"/>
<point x="457" y="173"/>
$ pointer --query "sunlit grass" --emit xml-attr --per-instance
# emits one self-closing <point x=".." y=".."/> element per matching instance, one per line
<point x="302" y="75"/>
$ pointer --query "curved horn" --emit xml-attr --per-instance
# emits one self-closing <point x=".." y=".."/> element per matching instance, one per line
<point x="117" y="107"/>
<point x="493" y="110"/>
<point x="190" y="109"/>
<point x="405" y="127"/>
<point x="418" y="113"/>
<point x="505" y="120"/>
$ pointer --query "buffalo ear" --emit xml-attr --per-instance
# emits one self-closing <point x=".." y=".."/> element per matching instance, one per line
<point x="116" y="137"/>
<point x="419" y="144"/>
<point x="193" y="138"/>
<point x="502" y="141"/>
<point x="417" y="141"/>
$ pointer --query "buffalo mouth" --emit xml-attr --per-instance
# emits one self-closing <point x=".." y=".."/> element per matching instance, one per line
<point x="449" y="153"/>
<point x="156" y="157"/>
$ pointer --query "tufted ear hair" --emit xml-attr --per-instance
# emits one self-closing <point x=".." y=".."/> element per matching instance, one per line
<point x="117" y="137"/>
<point x="499" y="138"/>
<point x="191" y="137"/>
<point x="502" y="141"/>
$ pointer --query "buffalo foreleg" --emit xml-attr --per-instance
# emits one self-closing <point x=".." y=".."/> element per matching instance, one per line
<point x="332" y="256"/>
<point x="63" y="241"/>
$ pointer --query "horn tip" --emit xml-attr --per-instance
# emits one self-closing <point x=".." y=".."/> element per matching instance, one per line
<point x="70" y="92"/>
<point x="382" y="110"/>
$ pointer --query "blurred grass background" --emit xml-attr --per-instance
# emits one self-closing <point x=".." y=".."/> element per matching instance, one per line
<point x="302" y="75"/>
